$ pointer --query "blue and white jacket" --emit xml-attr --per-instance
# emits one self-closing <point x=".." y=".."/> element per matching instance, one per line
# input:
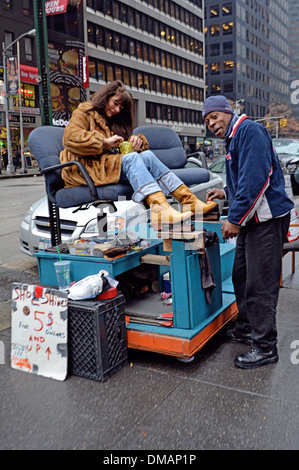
<point x="255" y="184"/>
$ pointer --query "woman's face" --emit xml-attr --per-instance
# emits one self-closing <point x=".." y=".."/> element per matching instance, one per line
<point x="113" y="105"/>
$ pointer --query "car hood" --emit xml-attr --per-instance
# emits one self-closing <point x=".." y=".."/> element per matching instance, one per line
<point x="87" y="213"/>
<point x="287" y="158"/>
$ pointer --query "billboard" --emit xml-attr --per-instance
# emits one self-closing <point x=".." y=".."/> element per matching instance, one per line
<point x="66" y="77"/>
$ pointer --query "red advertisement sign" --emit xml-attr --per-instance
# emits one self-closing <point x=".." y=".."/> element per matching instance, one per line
<point x="29" y="74"/>
<point x="55" y="7"/>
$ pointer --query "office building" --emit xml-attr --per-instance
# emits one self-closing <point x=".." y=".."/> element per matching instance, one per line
<point x="247" y="52"/>
<point x="156" y="47"/>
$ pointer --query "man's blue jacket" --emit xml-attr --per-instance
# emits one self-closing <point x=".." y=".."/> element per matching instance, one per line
<point x="255" y="184"/>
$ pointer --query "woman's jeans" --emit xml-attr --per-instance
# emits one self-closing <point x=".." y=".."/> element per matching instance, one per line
<point x="147" y="175"/>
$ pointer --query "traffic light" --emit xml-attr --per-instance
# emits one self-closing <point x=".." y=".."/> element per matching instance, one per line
<point x="283" y="122"/>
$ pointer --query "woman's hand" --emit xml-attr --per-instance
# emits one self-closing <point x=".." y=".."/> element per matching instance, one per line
<point x="113" y="141"/>
<point x="136" y="141"/>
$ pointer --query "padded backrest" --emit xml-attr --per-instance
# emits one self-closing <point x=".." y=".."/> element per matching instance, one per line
<point x="45" y="143"/>
<point x="165" y="144"/>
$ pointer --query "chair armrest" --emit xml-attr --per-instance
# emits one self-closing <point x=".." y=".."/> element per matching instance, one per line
<point x="201" y="157"/>
<point x="81" y="168"/>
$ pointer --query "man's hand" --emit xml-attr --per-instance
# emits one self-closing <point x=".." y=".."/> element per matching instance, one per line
<point x="229" y="230"/>
<point x="215" y="193"/>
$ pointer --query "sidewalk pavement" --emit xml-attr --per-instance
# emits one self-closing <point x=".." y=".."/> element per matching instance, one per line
<point x="18" y="174"/>
<point x="157" y="403"/>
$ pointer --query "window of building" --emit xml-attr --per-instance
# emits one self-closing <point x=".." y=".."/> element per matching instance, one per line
<point x="214" y="11"/>
<point x="28" y="49"/>
<point x="134" y="78"/>
<point x="215" y="87"/>
<point x="126" y="76"/>
<point x="118" y="73"/>
<point x="27" y="8"/>
<point x="28" y="95"/>
<point x="228" y="86"/>
<point x="92" y="68"/>
<point x="214" y="49"/>
<point x="8" y="39"/>
<point x="108" y="39"/>
<point x="228" y="28"/>
<point x="228" y="47"/>
<point x="7" y="5"/>
<point x="228" y="66"/>
<point x="215" y="68"/>
<point x="227" y="9"/>
<point x="116" y="11"/>
<point x="110" y="73"/>
<point x="101" y="71"/>
<point x="215" y="30"/>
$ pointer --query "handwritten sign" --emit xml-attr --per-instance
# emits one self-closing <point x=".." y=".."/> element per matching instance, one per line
<point x="39" y="330"/>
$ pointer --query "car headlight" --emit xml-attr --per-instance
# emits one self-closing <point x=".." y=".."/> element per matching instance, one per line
<point x="92" y="227"/>
<point x="115" y="224"/>
<point x="28" y="215"/>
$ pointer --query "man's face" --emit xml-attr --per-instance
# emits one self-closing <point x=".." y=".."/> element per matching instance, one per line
<point x="217" y="122"/>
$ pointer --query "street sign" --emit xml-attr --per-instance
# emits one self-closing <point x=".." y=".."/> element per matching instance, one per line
<point x="39" y="330"/>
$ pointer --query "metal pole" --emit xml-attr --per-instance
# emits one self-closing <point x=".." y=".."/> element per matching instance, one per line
<point x="10" y="167"/>
<point x="40" y="21"/>
<point x="23" y="169"/>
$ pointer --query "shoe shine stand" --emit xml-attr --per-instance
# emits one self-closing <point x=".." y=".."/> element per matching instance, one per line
<point x="194" y="320"/>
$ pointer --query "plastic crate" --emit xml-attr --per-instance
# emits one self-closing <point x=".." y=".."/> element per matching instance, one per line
<point x="97" y="337"/>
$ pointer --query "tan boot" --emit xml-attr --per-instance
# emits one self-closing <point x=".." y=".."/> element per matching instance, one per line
<point x="185" y="196"/>
<point x="162" y="213"/>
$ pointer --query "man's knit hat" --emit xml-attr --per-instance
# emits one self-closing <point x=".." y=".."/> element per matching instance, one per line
<point x="216" y="103"/>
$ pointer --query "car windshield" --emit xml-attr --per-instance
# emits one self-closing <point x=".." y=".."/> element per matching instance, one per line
<point x="291" y="149"/>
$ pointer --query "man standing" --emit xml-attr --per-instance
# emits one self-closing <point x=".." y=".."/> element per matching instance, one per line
<point x="259" y="216"/>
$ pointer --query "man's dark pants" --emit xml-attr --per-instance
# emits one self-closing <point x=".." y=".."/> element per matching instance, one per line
<point x="256" y="278"/>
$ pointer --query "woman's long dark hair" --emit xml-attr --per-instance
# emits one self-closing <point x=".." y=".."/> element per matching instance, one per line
<point x="121" y="123"/>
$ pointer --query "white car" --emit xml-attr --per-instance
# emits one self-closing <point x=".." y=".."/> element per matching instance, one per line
<point x="77" y="223"/>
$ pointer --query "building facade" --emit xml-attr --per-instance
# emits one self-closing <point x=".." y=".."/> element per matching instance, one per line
<point x="247" y="52"/>
<point x="16" y="18"/>
<point x="294" y="39"/>
<point x="156" y="47"/>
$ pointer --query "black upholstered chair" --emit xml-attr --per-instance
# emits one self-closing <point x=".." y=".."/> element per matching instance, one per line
<point x="46" y="144"/>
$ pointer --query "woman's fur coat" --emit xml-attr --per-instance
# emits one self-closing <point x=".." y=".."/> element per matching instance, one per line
<point x="83" y="141"/>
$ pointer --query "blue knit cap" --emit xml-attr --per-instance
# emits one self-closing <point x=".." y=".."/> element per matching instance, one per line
<point x="216" y="103"/>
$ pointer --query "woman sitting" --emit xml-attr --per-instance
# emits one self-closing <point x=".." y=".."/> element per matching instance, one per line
<point x="93" y="135"/>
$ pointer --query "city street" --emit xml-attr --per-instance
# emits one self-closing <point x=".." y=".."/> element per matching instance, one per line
<point x="155" y="402"/>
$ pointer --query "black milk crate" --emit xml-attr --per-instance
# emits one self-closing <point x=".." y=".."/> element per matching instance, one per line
<point x="97" y="337"/>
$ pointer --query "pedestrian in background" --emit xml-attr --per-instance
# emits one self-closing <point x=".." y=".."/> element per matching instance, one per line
<point x="5" y="159"/>
<point x="16" y="160"/>
<point x="259" y="216"/>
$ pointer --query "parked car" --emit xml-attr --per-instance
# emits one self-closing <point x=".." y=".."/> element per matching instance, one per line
<point x="125" y="216"/>
<point x="289" y="155"/>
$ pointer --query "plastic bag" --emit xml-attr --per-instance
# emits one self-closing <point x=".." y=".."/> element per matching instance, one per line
<point x="90" y="286"/>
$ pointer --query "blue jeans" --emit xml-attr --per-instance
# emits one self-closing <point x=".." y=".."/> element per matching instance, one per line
<point x="147" y="175"/>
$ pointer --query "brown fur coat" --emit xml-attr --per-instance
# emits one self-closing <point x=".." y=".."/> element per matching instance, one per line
<point x="83" y="141"/>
